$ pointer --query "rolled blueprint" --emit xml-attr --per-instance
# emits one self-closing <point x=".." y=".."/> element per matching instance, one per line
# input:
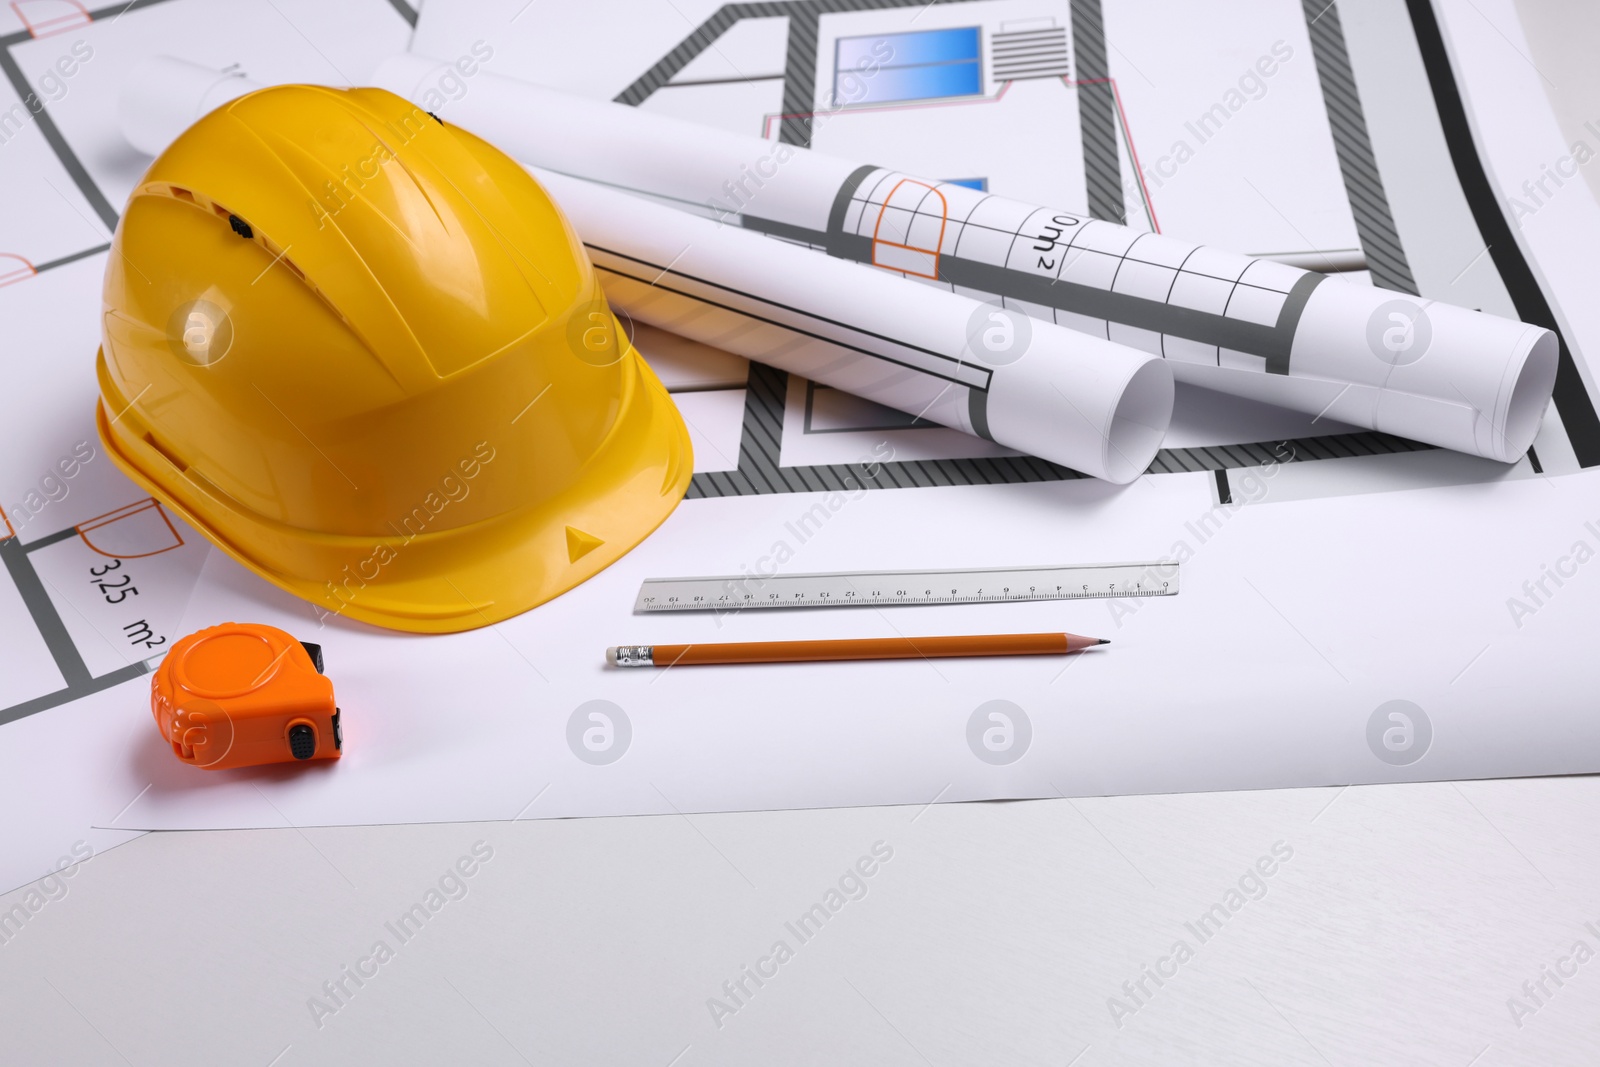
<point x="172" y="95"/>
<point x="1081" y="401"/>
<point x="1084" y="402"/>
<point x="1370" y="357"/>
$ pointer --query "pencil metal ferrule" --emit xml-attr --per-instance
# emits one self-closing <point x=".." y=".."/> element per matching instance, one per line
<point x="631" y="656"/>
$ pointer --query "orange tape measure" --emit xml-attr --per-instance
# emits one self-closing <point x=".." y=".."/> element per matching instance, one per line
<point x="242" y="694"/>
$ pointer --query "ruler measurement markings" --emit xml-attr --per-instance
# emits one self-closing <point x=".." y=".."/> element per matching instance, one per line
<point x="899" y="588"/>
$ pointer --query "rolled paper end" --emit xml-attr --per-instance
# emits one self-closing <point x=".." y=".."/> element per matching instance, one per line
<point x="1444" y="375"/>
<point x="1481" y="384"/>
<point x="1530" y="393"/>
<point x="1083" y="402"/>
<point x="1139" y="422"/>
<point x="164" y="96"/>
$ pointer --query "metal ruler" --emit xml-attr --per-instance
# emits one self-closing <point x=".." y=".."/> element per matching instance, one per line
<point x="881" y="588"/>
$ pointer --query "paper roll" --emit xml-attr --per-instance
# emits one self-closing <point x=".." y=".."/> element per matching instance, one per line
<point x="164" y="96"/>
<point x="1374" y="358"/>
<point x="1081" y="401"/>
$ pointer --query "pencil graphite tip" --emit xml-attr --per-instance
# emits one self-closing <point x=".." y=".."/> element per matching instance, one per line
<point x="1103" y="641"/>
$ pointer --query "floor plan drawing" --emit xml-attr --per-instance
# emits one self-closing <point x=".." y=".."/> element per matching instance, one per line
<point x="1076" y="103"/>
<point x="966" y="91"/>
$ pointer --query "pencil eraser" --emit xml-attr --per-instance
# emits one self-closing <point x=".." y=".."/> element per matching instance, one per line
<point x="611" y="656"/>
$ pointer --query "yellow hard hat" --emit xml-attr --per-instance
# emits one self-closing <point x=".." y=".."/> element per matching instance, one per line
<point x="365" y="355"/>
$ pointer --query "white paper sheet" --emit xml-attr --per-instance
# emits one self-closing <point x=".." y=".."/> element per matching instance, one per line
<point x="1302" y="629"/>
<point x="1252" y="328"/>
<point x="1475" y="611"/>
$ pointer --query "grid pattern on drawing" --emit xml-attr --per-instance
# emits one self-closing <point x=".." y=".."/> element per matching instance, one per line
<point x="973" y="226"/>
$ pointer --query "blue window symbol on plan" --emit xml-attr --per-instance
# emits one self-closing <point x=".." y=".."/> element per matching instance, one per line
<point x="908" y="66"/>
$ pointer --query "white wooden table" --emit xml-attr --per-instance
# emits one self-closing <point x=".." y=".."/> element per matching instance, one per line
<point x="1400" y="928"/>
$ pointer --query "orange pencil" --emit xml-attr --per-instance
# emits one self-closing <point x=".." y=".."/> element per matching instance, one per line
<point x="861" y="648"/>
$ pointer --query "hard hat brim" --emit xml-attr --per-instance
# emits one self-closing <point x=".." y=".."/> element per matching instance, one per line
<point x="449" y="580"/>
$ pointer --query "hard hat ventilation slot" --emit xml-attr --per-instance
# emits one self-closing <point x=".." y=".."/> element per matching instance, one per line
<point x="280" y="259"/>
<point x="243" y="229"/>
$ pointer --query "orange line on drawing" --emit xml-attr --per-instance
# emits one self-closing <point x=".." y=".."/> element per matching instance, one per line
<point x="16" y="274"/>
<point x="52" y="26"/>
<point x="944" y="219"/>
<point x="130" y="510"/>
